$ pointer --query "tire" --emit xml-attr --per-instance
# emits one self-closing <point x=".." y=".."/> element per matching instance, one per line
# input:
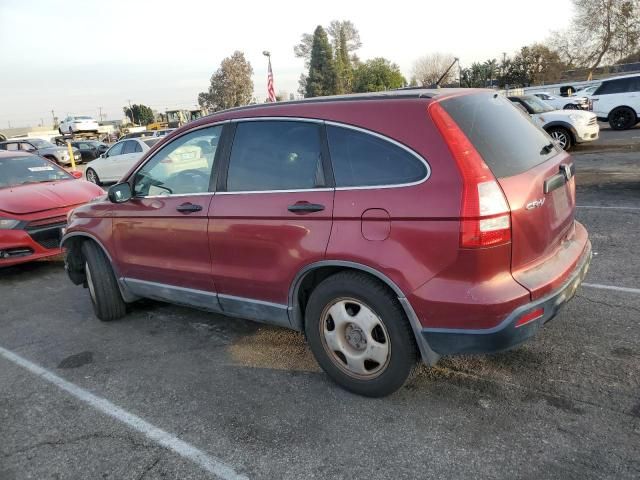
<point x="562" y="136"/>
<point x="622" y="118"/>
<point x="92" y="176"/>
<point x="105" y="295"/>
<point x="373" y="331"/>
<point x="570" y="106"/>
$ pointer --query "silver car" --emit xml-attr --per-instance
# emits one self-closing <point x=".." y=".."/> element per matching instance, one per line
<point x="45" y="149"/>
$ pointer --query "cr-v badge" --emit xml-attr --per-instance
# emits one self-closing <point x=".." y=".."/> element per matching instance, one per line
<point x="535" y="204"/>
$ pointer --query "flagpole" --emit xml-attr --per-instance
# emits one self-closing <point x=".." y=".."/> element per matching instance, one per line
<point x="271" y="94"/>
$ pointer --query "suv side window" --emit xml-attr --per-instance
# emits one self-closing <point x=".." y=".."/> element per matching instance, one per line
<point x="362" y="159"/>
<point x="115" y="150"/>
<point x="276" y="155"/>
<point x="622" y="85"/>
<point x="182" y="166"/>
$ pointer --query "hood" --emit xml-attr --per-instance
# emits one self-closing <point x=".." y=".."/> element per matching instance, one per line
<point x="38" y="197"/>
<point x="563" y="115"/>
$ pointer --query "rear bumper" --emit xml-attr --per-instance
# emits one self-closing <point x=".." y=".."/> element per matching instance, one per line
<point x="507" y="335"/>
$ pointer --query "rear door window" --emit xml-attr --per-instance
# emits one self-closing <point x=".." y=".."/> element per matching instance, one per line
<point x="362" y="159"/>
<point x="129" y="147"/>
<point x="507" y="141"/>
<point x="275" y="155"/>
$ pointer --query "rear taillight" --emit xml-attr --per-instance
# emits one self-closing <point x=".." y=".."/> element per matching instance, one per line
<point x="485" y="217"/>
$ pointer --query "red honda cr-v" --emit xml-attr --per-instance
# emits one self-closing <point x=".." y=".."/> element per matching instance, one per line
<point x="385" y="226"/>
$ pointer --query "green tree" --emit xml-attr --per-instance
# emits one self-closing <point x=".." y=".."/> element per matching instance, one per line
<point x="377" y="75"/>
<point x="322" y="78"/>
<point x="139" y="114"/>
<point x="231" y="85"/>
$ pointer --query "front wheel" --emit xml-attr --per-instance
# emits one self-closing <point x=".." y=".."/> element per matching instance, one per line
<point x="103" y="287"/>
<point x="92" y="176"/>
<point x="561" y="136"/>
<point x="360" y="335"/>
<point x="622" y="118"/>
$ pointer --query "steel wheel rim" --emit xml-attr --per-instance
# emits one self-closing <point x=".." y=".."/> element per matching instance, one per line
<point x="355" y="338"/>
<point x="91" y="176"/>
<point x="92" y="291"/>
<point x="560" y="137"/>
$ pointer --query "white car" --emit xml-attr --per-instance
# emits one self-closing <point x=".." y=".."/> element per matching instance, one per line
<point x="118" y="160"/>
<point x="78" y="124"/>
<point x="617" y="101"/>
<point x="566" y="127"/>
<point x="560" y="103"/>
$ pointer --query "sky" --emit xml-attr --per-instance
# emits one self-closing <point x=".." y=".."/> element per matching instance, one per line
<point x="75" y="56"/>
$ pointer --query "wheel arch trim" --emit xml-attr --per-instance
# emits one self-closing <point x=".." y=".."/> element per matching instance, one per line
<point x="559" y="123"/>
<point x="429" y="356"/>
<point x="124" y="290"/>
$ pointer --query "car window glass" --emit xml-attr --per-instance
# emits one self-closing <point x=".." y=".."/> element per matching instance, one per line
<point x="115" y="150"/>
<point x="621" y="85"/>
<point x="129" y="147"/>
<point x="84" y="146"/>
<point x="182" y="166"/>
<point x="362" y="159"/>
<point x="275" y="155"/>
<point x="27" y="147"/>
<point x="12" y="146"/>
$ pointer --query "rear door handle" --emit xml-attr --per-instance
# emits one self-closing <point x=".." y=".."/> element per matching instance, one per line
<point x="305" y="207"/>
<point x="188" y="208"/>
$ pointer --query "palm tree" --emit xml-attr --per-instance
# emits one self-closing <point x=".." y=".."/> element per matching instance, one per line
<point x="490" y="66"/>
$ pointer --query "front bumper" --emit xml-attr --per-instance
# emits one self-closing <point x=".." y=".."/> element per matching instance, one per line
<point x="20" y="246"/>
<point x="507" y="335"/>
<point x="587" y="133"/>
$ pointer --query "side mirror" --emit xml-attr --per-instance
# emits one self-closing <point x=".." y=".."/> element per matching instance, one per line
<point x="102" y="155"/>
<point x="119" y="193"/>
<point x="76" y="174"/>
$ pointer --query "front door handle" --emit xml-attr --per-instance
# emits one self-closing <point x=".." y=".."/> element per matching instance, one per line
<point x="305" y="207"/>
<point x="188" y="208"/>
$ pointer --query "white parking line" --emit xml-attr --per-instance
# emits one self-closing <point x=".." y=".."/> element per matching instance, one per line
<point x="611" y="287"/>
<point x="608" y="208"/>
<point x="156" y="434"/>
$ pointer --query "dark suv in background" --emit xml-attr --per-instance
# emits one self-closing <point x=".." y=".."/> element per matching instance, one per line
<point x="388" y="227"/>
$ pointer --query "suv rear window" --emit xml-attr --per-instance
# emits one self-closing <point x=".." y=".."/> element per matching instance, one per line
<point x="503" y="135"/>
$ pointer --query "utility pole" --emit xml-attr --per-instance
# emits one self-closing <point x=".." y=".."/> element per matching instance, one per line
<point x="131" y="112"/>
<point x="53" y="118"/>
<point x="100" y="115"/>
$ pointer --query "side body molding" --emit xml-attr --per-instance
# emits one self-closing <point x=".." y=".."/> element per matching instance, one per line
<point x="429" y="357"/>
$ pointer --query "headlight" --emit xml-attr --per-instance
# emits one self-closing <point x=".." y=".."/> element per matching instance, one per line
<point x="8" y="223"/>
<point x="579" y="119"/>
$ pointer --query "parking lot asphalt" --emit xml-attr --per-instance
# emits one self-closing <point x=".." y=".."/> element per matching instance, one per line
<point x="251" y="397"/>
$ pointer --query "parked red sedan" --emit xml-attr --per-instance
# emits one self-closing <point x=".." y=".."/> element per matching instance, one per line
<point x="35" y="197"/>
<point x="385" y="226"/>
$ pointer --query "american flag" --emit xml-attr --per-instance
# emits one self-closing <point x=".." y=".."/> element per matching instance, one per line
<point x="270" y="90"/>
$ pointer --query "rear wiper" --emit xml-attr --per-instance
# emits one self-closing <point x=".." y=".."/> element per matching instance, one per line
<point x="546" y="149"/>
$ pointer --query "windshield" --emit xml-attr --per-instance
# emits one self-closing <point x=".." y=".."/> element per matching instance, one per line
<point x="21" y="170"/>
<point x="537" y="105"/>
<point x="151" y="141"/>
<point x="39" y="143"/>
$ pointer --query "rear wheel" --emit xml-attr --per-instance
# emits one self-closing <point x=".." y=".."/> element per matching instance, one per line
<point x="360" y="335"/>
<point x="92" y="176"/>
<point x="622" y="118"/>
<point x="103" y="288"/>
<point x="570" y="106"/>
<point x="561" y="136"/>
